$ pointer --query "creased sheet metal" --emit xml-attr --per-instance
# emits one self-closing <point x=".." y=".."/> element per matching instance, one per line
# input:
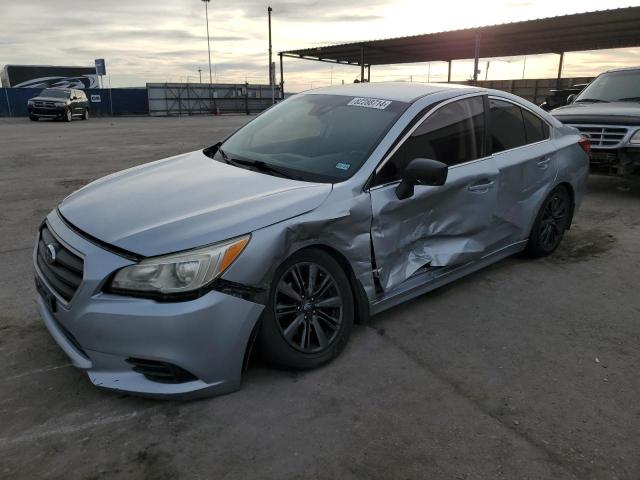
<point x="438" y="226"/>
<point x="342" y="224"/>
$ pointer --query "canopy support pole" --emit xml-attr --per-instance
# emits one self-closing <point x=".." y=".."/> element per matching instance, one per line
<point x="560" y="69"/>
<point x="476" y="60"/>
<point x="368" y="73"/>
<point x="361" y="64"/>
<point x="449" y="72"/>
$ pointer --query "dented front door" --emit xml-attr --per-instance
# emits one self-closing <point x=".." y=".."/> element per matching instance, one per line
<point x="438" y="226"/>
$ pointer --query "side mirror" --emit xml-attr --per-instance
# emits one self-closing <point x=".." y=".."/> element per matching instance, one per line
<point x="571" y="98"/>
<point x="421" y="171"/>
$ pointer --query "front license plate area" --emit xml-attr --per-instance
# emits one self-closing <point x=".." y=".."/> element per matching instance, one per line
<point x="47" y="296"/>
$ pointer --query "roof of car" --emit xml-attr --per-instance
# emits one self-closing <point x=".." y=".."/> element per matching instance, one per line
<point x="397" y="91"/>
<point x="622" y="69"/>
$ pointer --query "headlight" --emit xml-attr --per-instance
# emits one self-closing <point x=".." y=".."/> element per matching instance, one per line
<point x="636" y="138"/>
<point x="29" y="102"/>
<point x="179" y="272"/>
<point x="61" y="104"/>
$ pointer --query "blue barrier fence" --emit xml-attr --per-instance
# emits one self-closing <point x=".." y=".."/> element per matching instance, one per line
<point x="116" y="101"/>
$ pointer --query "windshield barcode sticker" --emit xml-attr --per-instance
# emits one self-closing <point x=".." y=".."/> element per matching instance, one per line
<point x="370" y="103"/>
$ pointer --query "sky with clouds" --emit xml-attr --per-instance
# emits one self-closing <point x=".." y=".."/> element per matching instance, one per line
<point x="165" y="40"/>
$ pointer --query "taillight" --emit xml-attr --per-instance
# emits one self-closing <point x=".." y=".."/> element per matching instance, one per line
<point x="585" y="144"/>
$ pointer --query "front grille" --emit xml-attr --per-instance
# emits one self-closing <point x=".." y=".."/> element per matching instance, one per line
<point x="603" y="136"/>
<point x="61" y="268"/>
<point x="161" y="372"/>
<point x="44" y="104"/>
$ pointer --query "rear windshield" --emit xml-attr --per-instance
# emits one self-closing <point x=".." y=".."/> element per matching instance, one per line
<point x="55" y="93"/>
<point x="316" y="137"/>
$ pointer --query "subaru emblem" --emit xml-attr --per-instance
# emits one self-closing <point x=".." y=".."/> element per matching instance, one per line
<point x="51" y="254"/>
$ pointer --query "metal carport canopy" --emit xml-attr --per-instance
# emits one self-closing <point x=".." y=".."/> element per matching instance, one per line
<point x="602" y="29"/>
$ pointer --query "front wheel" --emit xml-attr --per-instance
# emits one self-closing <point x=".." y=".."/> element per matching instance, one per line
<point x="310" y="313"/>
<point x="32" y="118"/>
<point x="553" y="219"/>
<point x="68" y="116"/>
<point x="85" y="114"/>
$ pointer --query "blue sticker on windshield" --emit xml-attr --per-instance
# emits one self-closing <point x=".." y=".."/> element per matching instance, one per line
<point x="343" y="166"/>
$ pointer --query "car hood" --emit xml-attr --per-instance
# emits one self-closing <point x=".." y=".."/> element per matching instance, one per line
<point x="620" y="113"/>
<point x="50" y="99"/>
<point x="184" y="202"/>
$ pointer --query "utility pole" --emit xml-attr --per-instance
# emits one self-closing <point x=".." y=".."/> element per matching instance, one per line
<point x="206" y="13"/>
<point x="271" y="66"/>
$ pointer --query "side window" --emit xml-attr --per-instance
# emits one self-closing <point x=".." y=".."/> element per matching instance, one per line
<point x="535" y="128"/>
<point x="453" y="134"/>
<point x="507" y="126"/>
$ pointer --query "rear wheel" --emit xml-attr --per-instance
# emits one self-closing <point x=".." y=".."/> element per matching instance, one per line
<point x="310" y="313"/>
<point x="553" y="219"/>
<point x="68" y="116"/>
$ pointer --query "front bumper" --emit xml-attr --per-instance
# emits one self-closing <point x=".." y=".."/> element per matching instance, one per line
<point x="207" y="337"/>
<point x="41" y="112"/>
<point x="623" y="161"/>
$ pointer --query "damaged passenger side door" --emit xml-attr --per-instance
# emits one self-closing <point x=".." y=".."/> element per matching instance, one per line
<point x="436" y="226"/>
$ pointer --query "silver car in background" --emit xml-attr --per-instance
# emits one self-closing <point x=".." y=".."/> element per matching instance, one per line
<point x="332" y="206"/>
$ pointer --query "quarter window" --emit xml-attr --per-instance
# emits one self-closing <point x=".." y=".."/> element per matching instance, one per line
<point x="453" y="134"/>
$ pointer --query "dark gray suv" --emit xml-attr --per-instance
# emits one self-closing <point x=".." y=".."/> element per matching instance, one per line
<point x="59" y="103"/>
<point x="608" y="113"/>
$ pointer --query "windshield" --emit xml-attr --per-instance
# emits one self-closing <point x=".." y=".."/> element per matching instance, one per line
<point x="324" y="138"/>
<point x="55" y="93"/>
<point x="613" y="87"/>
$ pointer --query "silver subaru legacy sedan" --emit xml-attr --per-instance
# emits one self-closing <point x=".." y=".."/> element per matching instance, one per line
<point x="331" y="206"/>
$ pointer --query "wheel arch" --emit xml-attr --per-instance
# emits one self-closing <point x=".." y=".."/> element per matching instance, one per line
<point x="572" y="196"/>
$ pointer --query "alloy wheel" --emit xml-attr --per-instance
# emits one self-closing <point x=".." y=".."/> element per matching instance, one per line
<point x="308" y="307"/>
<point x="553" y="222"/>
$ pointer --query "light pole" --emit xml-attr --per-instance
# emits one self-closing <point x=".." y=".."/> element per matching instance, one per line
<point x="206" y="13"/>
<point x="271" y="69"/>
<point x="200" y="74"/>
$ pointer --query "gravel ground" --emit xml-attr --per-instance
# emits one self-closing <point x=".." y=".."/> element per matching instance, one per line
<point x="525" y="370"/>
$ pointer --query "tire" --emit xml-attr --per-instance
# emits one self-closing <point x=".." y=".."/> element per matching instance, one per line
<point x="85" y="115"/>
<point x="551" y="222"/>
<point x="33" y="119"/>
<point x="296" y="331"/>
<point x="68" y="115"/>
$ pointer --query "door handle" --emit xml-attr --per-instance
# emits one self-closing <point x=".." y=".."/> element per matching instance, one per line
<point x="481" y="187"/>
<point x="544" y="163"/>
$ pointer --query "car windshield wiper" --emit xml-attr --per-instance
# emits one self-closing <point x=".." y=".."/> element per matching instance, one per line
<point x="629" y="99"/>
<point x="592" y="100"/>
<point x="259" y="165"/>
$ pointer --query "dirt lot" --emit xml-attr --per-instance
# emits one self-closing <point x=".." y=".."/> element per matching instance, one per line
<point x="526" y="370"/>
